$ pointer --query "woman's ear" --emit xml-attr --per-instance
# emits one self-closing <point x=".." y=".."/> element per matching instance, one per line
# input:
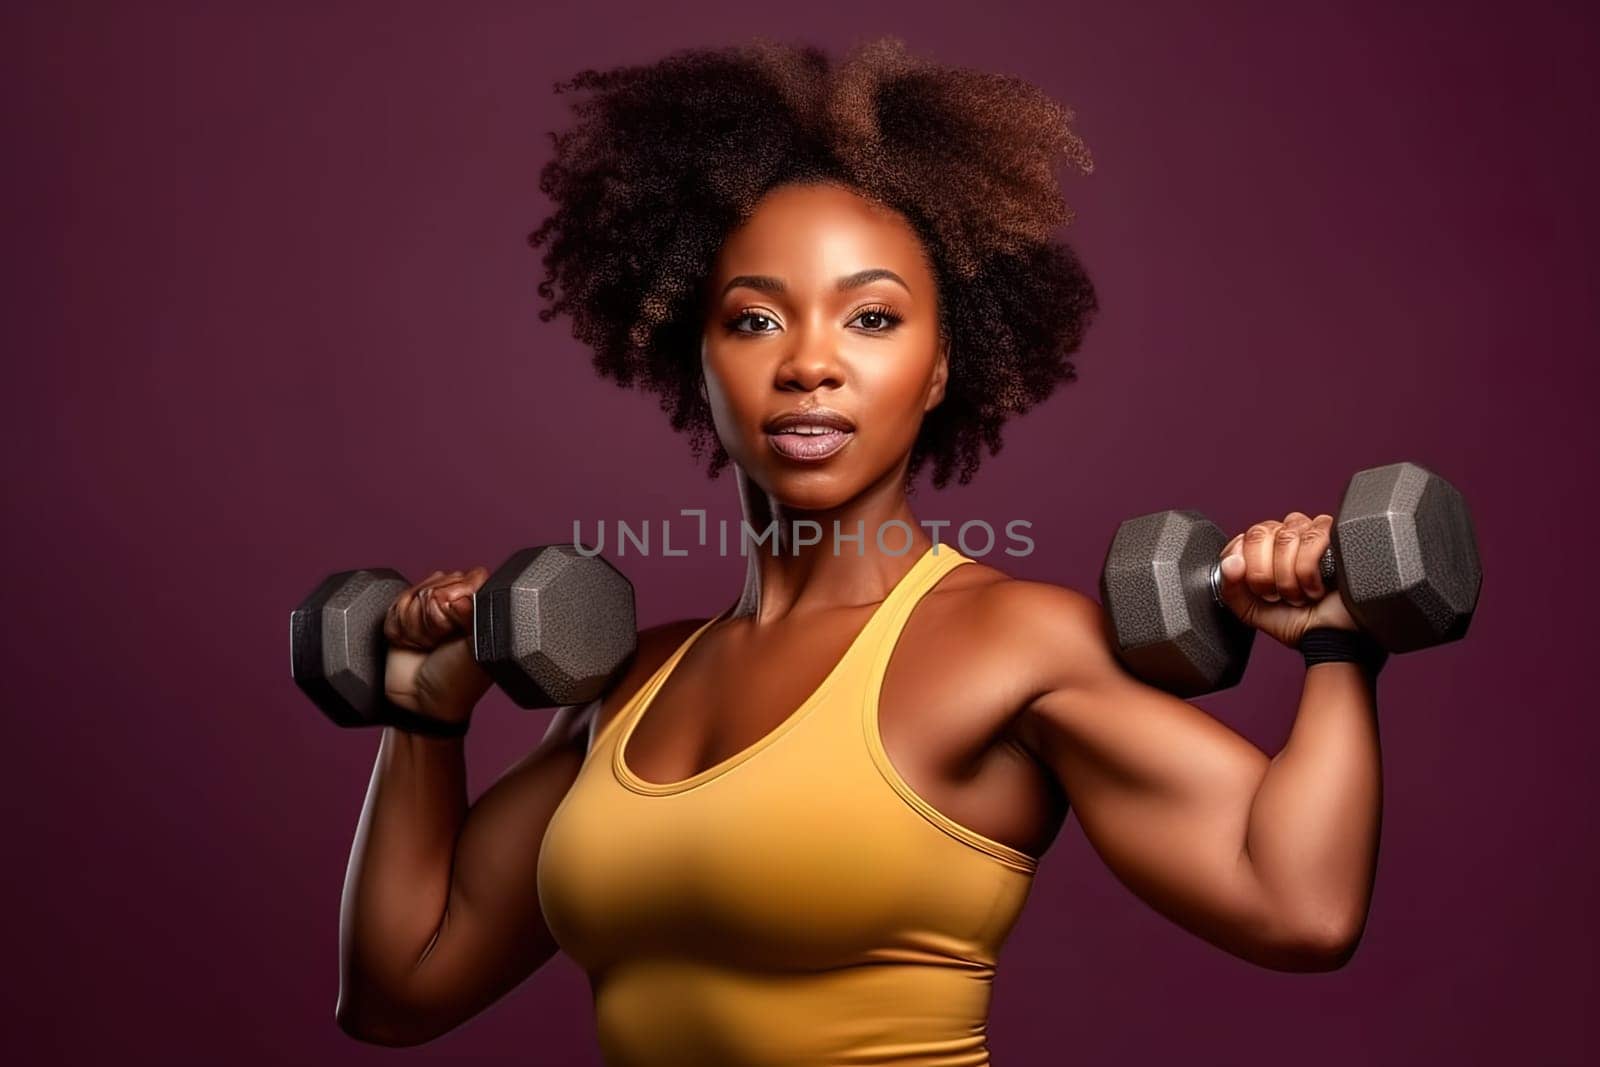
<point x="941" y="375"/>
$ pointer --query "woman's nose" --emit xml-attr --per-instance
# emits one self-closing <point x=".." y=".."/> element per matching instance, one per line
<point x="812" y="364"/>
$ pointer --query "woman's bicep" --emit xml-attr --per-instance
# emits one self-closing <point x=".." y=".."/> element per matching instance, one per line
<point x="493" y="934"/>
<point x="1162" y="789"/>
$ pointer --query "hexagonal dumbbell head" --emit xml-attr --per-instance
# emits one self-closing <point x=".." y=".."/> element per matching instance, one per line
<point x="1407" y="557"/>
<point x="552" y="626"/>
<point x="1169" y="628"/>
<point x="336" y="646"/>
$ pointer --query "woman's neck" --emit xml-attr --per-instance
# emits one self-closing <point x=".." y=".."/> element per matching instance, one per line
<point x="796" y="562"/>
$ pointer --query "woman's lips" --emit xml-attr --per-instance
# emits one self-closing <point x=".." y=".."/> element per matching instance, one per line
<point x="809" y="447"/>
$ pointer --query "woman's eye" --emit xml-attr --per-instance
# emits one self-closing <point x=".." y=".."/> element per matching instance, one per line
<point x="749" y="316"/>
<point x="878" y="320"/>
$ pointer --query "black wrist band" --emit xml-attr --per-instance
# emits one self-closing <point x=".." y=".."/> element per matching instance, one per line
<point x="1329" y="644"/>
<point x="412" y="723"/>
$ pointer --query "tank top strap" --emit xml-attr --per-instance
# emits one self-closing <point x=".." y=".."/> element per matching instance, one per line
<point x="869" y="651"/>
<point x="880" y="651"/>
<point x="940" y="560"/>
<point x="645" y="693"/>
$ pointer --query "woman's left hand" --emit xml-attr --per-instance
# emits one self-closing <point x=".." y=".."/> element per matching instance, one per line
<point x="1271" y="579"/>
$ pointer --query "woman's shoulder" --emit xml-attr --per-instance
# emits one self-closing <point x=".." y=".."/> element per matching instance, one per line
<point x="982" y="587"/>
<point x="1036" y="625"/>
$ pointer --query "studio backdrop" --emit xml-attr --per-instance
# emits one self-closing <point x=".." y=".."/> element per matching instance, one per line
<point x="273" y="314"/>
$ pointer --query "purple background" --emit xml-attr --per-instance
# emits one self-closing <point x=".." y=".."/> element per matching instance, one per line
<point x="271" y="315"/>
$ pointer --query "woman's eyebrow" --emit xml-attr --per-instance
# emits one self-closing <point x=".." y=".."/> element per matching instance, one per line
<point x="872" y="274"/>
<point x="766" y="283"/>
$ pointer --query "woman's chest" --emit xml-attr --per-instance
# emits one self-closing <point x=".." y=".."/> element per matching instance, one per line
<point x="946" y="705"/>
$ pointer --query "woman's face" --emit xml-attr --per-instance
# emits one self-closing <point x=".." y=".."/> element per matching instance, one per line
<point x="821" y="302"/>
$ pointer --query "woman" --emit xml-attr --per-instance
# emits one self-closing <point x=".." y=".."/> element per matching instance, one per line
<point x="799" y="832"/>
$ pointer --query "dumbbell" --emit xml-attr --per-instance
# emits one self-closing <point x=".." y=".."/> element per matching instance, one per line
<point x="550" y="627"/>
<point x="1402" y="555"/>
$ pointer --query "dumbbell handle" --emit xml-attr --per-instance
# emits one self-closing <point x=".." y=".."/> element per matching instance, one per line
<point x="1325" y="566"/>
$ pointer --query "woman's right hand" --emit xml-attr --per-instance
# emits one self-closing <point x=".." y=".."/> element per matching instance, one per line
<point x="429" y="668"/>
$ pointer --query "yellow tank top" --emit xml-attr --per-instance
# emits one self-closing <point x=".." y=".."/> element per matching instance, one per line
<point x="798" y="903"/>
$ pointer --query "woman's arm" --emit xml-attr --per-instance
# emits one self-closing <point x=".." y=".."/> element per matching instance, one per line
<point x="1270" y="859"/>
<point x="440" y="915"/>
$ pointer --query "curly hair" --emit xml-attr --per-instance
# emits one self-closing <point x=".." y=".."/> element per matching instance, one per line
<point x="664" y="160"/>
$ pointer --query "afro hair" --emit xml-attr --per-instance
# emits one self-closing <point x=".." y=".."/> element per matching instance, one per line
<point x="664" y="160"/>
